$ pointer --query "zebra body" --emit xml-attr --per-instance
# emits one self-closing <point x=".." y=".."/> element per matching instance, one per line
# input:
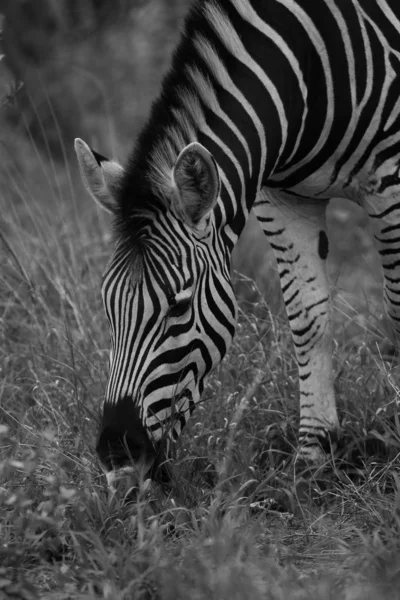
<point x="275" y="105"/>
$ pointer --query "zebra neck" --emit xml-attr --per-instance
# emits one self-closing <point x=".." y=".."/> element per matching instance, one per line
<point x="224" y="90"/>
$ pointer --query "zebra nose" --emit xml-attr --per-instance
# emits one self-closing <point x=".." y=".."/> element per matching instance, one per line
<point x="123" y="440"/>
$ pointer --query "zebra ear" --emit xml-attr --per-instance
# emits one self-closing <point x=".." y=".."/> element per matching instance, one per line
<point x="197" y="184"/>
<point x="101" y="177"/>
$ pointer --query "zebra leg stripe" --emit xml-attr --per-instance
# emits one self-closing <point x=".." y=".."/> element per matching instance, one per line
<point x="384" y="216"/>
<point x="295" y="229"/>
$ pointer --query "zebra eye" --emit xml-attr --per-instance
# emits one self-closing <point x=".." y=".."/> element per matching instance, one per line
<point x="179" y="308"/>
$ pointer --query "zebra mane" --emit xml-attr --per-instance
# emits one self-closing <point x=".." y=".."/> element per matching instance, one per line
<point x="176" y="118"/>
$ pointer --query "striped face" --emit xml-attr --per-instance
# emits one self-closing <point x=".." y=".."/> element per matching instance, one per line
<point x="167" y="295"/>
<point x="172" y="312"/>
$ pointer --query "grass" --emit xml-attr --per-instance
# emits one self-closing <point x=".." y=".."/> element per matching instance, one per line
<point x="243" y="520"/>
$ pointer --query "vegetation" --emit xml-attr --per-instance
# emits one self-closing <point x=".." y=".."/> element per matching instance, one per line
<point x="243" y="520"/>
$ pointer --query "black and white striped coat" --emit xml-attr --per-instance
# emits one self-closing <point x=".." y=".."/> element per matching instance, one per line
<point x="275" y="105"/>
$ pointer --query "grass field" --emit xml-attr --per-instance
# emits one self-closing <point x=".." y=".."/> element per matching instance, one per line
<point x="242" y="522"/>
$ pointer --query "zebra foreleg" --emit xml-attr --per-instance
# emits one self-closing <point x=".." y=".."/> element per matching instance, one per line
<point x="295" y="229"/>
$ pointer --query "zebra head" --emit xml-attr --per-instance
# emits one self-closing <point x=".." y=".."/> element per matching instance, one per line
<point x="168" y="298"/>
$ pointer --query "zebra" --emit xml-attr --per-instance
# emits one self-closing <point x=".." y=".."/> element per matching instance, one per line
<point x="270" y="105"/>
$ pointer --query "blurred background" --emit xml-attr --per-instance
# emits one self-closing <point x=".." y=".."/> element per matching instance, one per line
<point x="91" y="68"/>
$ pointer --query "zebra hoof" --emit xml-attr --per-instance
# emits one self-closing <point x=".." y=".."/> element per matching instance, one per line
<point x="318" y="450"/>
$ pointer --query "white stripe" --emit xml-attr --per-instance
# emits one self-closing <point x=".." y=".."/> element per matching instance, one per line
<point x="394" y="115"/>
<point x="389" y="13"/>
<point x="348" y="48"/>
